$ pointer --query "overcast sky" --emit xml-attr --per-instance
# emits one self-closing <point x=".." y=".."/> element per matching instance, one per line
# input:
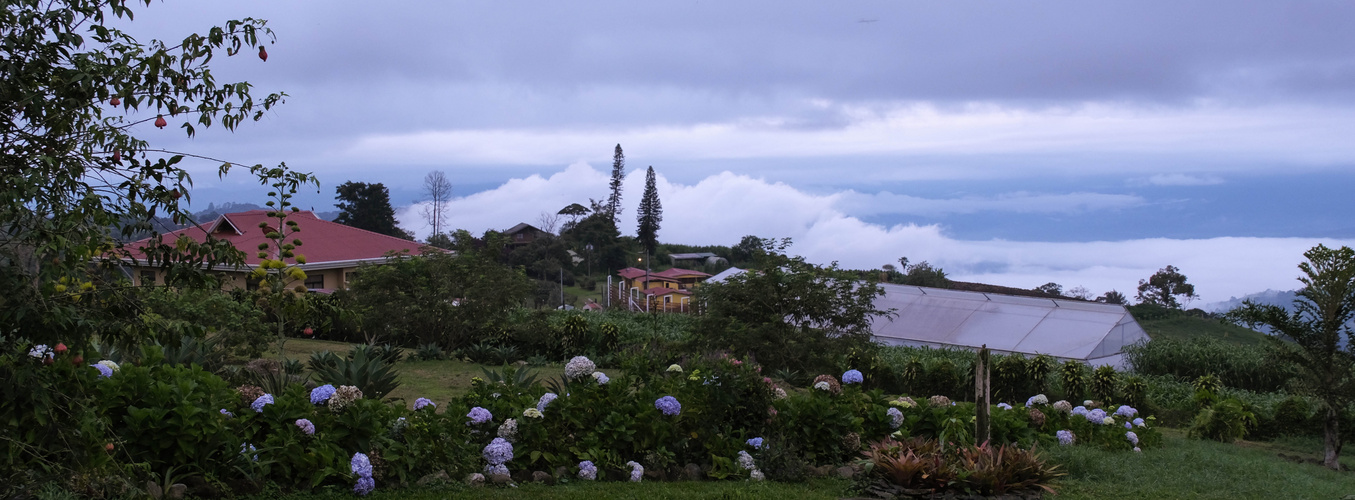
<point x="1016" y="143"/>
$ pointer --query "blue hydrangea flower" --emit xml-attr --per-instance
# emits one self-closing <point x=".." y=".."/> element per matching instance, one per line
<point x="361" y="465"/>
<point x="852" y="377"/>
<point x="1133" y="438"/>
<point x="1097" y="416"/>
<point x="668" y="405"/>
<point x="587" y="470"/>
<point x="601" y="378"/>
<point x="260" y="402"/>
<point x="756" y="443"/>
<point x="306" y="426"/>
<point x="637" y="471"/>
<point x="227" y="413"/>
<point x="498" y="451"/>
<point x="248" y="449"/>
<point x="1138" y="422"/>
<point x="364" y="485"/>
<point x="1038" y="399"/>
<point x="104" y="371"/>
<point x="1081" y="410"/>
<point x="1004" y="406"/>
<point x="500" y="469"/>
<point x="422" y="403"/>
<point x="545" y="400"/>
<point x="321" y="394"/>
<point x="895" y="418"/>
<point x="1065" y="437"/>
<point x="479" y="415"/>
<point x="1126" y="411"/>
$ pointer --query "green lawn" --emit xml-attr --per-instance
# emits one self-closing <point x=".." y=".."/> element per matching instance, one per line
<point x="1185" y="327"/>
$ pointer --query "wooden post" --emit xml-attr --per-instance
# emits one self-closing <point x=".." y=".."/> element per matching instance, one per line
<point x="982" y="397"/>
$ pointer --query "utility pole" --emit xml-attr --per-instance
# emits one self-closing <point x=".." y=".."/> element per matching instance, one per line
<point x="562" y="288"/>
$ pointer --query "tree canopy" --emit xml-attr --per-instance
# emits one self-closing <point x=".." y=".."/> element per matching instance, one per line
<point x="650" y="215"/>
<point x="78" y="99"/>
<point x="1321" y="334"/>
<point x="368" y="206"/>
<point x="1163" y="288"/>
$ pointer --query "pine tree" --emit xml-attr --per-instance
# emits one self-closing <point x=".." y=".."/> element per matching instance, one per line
<point x="651" y="214"/>
<point x="618" y="175"/>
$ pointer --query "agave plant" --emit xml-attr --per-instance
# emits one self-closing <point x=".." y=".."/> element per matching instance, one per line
<point x="192" y="351"/>
<point x="371" y="374"/>
<point x="511" y="377"/>
<point x="428" y="352"/>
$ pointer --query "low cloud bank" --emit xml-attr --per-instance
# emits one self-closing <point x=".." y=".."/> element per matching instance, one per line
<point x="723" y="208"/>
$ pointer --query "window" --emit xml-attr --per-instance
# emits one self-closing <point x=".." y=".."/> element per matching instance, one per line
<point x="147" y="278"/>
<point x="315" y="281"/>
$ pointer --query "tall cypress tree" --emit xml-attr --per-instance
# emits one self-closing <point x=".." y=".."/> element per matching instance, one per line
<point x="651" y="214"/>
<point x="618" y="175"/>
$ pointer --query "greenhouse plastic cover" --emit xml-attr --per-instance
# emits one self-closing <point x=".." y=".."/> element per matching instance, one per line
<point x="1067" y="329"/>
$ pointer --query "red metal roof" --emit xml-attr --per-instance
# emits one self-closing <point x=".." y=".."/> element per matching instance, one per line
<point x="322" y="240"/>
<point x="676" y="272"/>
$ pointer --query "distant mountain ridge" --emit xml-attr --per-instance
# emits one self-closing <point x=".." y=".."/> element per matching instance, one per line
<point x="1282" y="298"/>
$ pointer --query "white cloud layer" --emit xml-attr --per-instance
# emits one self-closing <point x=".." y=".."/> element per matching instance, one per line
<point x="1184" y="180"/>
<point x="723" y="208"/>
<point x="1232" y="137"/>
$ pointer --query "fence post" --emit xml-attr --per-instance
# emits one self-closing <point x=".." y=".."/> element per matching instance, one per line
<point x="982" y="397"/>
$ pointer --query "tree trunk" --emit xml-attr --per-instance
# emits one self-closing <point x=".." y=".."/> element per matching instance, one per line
<point x="1331" y="439"/>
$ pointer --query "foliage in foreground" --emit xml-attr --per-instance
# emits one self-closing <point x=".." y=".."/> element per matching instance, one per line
<point x="918" y="465"/>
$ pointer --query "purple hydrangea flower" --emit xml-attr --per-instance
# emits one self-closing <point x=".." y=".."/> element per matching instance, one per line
<point x="479" y="415"/>
<point x="104" y="371"/>
<point x="422" y="403"/>
<point x="1097" y="416"/>
<point x="227" y="413"/>
<point x="668" y="405"/>
<point x="500" y="469"/>
<point x="545" y="400"/>
<point x="756" y="443"/>
<point x="637" y="471"/>
<point x="306" y="426"/>
<point x="498" y="451"/>
<point x="1138" y="422"/>
<point x="587" y="470"/>
<point x="852" y="377"/>
<point x="1065" y="437"/>
<point x="361" y="465"/>
<point x="895" y="418"/>
<point x="321" y="394"/>
<point x="1133" y="438"/>
<point x="1081" y="410"/>
<point x="260" y="402"/>
<point x="364" y="485"/>
<point x="1126" y="411"/>
<point x="1004" y="406"/>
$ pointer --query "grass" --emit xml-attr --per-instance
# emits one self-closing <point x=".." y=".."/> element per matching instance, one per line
<point x="1185" y="327"/>
<point x="436" y="380"/>
<point x="1188" y="468"/>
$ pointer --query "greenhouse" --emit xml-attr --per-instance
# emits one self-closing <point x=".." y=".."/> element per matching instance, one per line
<point x="1092" y="332"/>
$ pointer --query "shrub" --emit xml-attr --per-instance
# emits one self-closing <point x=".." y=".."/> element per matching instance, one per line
<point x="1238" y="366"/>
<point x="920" y="464"/>
<point x="1074" y="378"/>
<point x="1226" y="421"/>
<point x="1105" y="384"/>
